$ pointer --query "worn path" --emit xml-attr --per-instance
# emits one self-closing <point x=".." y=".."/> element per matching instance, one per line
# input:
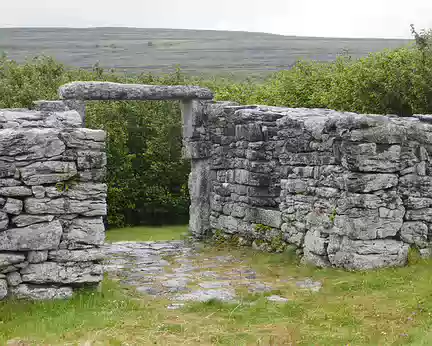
<point x="180" y="272"/>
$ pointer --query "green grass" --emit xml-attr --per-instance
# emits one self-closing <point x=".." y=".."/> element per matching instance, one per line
<point x="381" y="307"/>
<point x="146" y="233"/>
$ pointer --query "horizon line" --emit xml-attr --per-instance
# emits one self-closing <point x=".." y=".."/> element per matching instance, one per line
<point x="213" y="30"/>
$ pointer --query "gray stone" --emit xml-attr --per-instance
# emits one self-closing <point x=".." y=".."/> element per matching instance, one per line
<point x="94" y="175"/>
<point x="175" y="306"/>
<point x="38" y="191"/>
<point x="213" y="284"/>
<point x="9" y="258"/>
<point x="43" y="236"/>
<point x="3" y="289"/>
<point x="267" y="217"/>
<point x="116" y="91"/>
<point x="277" y="299"/>
<point x="426" y="253"/>
<point x="63" y="205"/>
<point x="15" y="191"/>
<point x="366" y="254"/>
<point x="13" y="206"/>
<point x="48" y="172"/>
<point x="415" y="233"/>
<point x="30" y="144"/>
<point x="86" y="231"/>
<point x="13" y="279"/>
<point x="175" y="285"/>
<point x="33" y="292"/>
<point x="79" y="191"/>
<point x="222" y="294"/>
<point x="23" y="220"/>
<point x="91" y="160"/>
<point x="85" y="139"/>
<point x="37" y="256"/>
<point x="4" y="221"/>
<point x="309" y="284"/>
<point x="9" y="182"/>
<point x="86" y="255"/>
<point x="74" y="273"/>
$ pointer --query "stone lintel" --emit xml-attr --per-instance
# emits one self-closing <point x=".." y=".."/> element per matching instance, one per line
<point x="94" y="91"/>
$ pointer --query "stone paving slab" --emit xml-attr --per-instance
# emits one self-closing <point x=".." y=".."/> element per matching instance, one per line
<point x="180" y="272"/>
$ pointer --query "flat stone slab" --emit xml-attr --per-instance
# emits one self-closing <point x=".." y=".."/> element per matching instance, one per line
<point x="309" y="284"/>
<point x="222" y="294"/>
<point x="94" y="91"/>
<point x="277" y="299"/>
<point x="214" y="284"/>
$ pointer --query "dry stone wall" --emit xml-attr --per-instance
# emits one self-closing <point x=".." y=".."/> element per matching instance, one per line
<point x="346" y="190"/>
<point x="52" y="200"/>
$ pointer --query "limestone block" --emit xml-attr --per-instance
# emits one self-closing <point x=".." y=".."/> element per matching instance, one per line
<point x="37" y="256"/>
<point x="91" y="159"/>
<point x="74" y="273"/>
<point x="117" y="91"/>
<point x="3" y="289"/>
<point x="93" y="175"/>
<point x="79" y="191"/>
<point x="84" y="139"/>
<point x="415" y="233"/>
<point x="8" y="169"/>
<point x="4" y="221"/>
<point x="294" y="234"/>
<point x="10" y="258"/>
<point x="33" y="292"/>
<point x="30" y="144"/>
<point x="366" y="254"/>
<point x="38" y="191"/>
<point x="358" y="182"/>
<point x="48" y="172"/>
<point x="9" y="182"/>
<point x="86" y="255"/>
<point x="13" y="206"/>
<point x="61" y="206"/>
<point x="23" y="220"/>
<point x="43" y="236"/>
<point x="89" y="231"/>
<point x="15" y="191"/>
<point x="267" y="217"/>
<point x="313" y="242"/>
<point x="13" y="279"/>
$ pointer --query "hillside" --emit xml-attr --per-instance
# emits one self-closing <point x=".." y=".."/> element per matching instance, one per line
<point x="197" y="52"/>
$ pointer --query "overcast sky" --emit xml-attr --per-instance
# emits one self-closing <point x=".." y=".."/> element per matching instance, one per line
<point x="333" y="18"/>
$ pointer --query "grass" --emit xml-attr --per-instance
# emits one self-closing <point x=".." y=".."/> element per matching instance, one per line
<point x="146" y="233"/>
<point x="382" y="307"/>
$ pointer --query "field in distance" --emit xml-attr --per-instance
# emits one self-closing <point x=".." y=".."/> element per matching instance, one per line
<point x="196" y="52"/>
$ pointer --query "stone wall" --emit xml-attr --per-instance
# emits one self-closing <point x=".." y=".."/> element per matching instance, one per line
<point x="52" y="199"/>
<point x="346" y="190"/>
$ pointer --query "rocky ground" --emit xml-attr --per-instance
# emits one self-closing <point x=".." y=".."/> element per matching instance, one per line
<point x="181" y="272"/>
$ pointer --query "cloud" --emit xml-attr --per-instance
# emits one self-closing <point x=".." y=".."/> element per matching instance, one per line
<point x="337" y="18"/>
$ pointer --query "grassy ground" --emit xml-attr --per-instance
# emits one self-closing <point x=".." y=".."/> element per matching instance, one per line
<point x="384" y="307"/>
<point x="146" y="233"/>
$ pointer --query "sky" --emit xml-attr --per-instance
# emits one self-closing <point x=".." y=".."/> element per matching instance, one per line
<point x="325" y="18"/>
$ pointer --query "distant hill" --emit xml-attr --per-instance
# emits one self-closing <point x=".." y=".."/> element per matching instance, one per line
<point x="197" y="52"/>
